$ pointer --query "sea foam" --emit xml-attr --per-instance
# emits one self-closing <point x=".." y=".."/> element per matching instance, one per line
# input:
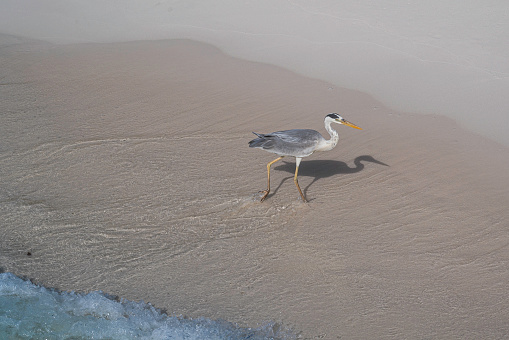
<point x="29" y="311"/>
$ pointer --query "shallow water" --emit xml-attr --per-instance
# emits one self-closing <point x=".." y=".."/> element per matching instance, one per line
<point x="31" y="311"/>
<point x="125" y="168"/>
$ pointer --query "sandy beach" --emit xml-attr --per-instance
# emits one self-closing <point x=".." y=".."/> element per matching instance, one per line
<point x="125" y="168"/>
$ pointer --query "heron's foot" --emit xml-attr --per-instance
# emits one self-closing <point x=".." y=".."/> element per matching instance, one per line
<point x="265" y="194"/>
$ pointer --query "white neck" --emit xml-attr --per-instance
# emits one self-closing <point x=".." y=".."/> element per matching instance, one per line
<point x="334" y="137"/>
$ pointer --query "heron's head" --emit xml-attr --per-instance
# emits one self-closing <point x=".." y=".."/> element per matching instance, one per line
<point x="334" y="117"/>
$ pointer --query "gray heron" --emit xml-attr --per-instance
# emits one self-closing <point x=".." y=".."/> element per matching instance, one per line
<point x="298" y="143"/>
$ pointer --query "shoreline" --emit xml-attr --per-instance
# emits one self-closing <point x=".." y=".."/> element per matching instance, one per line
<point x="434" y="58"/>
<point x="126" y="169"/>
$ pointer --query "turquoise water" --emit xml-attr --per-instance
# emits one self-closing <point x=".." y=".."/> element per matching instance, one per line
<point x="29" y="311"/>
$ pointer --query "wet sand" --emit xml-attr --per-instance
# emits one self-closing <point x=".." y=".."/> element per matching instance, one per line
<point x="124" y="167"/>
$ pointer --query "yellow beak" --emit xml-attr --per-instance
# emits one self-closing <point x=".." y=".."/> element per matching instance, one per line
<point x="347" y="123"/>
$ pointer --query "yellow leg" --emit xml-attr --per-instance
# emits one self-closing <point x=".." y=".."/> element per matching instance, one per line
<point x="297" y="163"/>
<point x="266" y="192"/>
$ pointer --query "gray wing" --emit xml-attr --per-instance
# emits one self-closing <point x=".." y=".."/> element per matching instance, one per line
<point x="297" y="142"/>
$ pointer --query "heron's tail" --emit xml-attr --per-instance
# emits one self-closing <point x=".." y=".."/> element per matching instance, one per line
<point x="263" y="141"/>
<point x="257" y="141"/>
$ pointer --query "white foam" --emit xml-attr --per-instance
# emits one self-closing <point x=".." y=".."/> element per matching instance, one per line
<point x="30" y="311"/>
<point x="441" y="57"/>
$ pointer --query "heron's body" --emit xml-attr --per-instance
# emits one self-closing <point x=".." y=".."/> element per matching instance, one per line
<point x="298" y="143"/>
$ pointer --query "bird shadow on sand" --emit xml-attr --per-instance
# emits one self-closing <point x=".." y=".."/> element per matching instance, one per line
<point x="323" y="168"/>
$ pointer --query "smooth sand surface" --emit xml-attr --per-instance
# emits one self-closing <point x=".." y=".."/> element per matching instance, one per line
<point x="125" y="168"/>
